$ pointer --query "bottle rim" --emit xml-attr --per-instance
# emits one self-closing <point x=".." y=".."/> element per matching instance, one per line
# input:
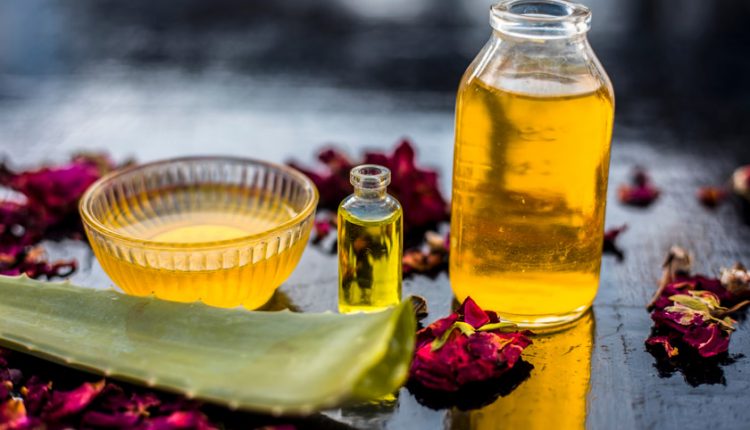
<point x="370" y="176"/>
<point x="540" y="19"/>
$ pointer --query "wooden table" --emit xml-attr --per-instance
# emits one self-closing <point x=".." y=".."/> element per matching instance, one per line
<point x="182" y="99"/>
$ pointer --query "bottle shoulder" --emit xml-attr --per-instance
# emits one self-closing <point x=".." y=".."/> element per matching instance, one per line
<point x="371" y="210"/>
<point x="549" y="69"/>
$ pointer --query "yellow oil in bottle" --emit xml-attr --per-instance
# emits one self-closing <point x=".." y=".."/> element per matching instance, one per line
<point x="370" y="241"/>
<point x="196" y="218"/>
<point x="555" y="394"/>
<point x="529" y="193"/>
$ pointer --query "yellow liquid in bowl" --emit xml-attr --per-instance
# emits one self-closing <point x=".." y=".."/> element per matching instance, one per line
<point x="180" y="258"/>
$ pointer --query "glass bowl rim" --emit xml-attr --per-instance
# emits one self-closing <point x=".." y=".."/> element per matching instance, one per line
<point x="92" y="222"/>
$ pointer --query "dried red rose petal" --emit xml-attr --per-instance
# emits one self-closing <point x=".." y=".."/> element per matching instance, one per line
<point x="709" y="340"/>
<point x="323" y="226"/>
<point x="610" y="236"/>
<point x="692" y="310"/>
<point x="90" y="405"/>
<point x="188" y="420"/>
<point x="613" y="233"/>
<point x="55" y="191"/>
<point x="65" y="403"/>
<point x="50" y="198"/>
<point x="711" y="197"/>
<point x="13" y="416"/>
<point x="467" y="346"/>
<point x="122" y="420"/>
<point x="473" y="314"/>
<point x="36" y="394"/>
<point x="640" y="192"/>
<point x="417" y="189"/>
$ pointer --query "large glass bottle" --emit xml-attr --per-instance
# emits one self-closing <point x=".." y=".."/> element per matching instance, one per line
<point x="533" y="128"/>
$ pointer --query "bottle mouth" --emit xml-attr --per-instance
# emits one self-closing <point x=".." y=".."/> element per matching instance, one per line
<point x="370" y="176"/>
<point x="540" y="19"/>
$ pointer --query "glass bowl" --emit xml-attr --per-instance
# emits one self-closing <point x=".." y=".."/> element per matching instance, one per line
<point x="225" y="231"/>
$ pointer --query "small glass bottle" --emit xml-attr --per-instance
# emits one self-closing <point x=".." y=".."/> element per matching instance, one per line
<point x="370" y="243"/>
<point x="534" y="118"/>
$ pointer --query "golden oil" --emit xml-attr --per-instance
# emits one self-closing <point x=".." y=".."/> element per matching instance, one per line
<point x="197" y="218"/>
<point x="555" y="394"/>
<point x="370" y="243"/>
<point x="529" y="193"/>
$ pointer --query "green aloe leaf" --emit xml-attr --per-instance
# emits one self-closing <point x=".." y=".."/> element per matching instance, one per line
<point x="271" y="362"/>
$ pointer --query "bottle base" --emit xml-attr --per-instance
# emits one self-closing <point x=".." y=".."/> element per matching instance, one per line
<point x="545" y="323"/>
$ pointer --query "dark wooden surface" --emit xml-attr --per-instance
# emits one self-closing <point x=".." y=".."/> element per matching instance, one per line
<point x="275" y="82"/>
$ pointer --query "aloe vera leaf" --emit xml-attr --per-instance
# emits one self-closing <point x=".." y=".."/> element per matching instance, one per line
<point x="269" y="362"/>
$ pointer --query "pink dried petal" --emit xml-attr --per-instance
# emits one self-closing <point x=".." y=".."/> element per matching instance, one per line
<point x="673" y="320"/>
<point x="322" y="228"/>
<point x="472" y="313"/>
<point x="188" y="420"/>
<point x="436" y="329"/>
<point x="66" y="403"/>
<point x="36" y="394"/>
<point x="518" y="341"/>
<point x="708" y="340"/>
<point x="13" y="416"/>
<point x="56" y="190"/>
<point x="682" y="284"/>
<point x="486" y="346"/>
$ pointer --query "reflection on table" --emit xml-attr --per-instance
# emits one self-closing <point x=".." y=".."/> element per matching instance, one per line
<point x="554" y="396"/>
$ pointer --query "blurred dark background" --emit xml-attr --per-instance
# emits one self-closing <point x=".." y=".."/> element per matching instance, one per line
<point x="278" y="78"/>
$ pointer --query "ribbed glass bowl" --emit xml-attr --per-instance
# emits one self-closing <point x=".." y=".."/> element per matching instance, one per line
<point x="226" y="231"/>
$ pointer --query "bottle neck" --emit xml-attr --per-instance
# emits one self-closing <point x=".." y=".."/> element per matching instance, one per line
<point x="540" y="20"/>
<point x="370" y="193"/>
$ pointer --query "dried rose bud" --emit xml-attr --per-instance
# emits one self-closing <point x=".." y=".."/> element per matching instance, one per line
<point x="711" y="197"/>
<point x="741" y="181"/>
<point x="736" y="280"/>
<point x="436" y="241"/>
<point x="678" y="263"/>
<point x="640" y="192"/>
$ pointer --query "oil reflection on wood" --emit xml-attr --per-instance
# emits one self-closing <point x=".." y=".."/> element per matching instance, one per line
<point x="554" y="396"/>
